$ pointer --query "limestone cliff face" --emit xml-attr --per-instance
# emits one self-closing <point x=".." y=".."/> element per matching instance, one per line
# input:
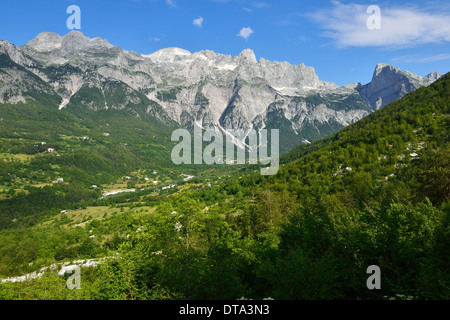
<point x="389" y="84"/>
<point x="222" y="91"/>
<point x="433" y="76"/>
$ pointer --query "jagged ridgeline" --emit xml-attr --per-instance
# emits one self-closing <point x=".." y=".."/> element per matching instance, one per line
<point x="175" y="87"/>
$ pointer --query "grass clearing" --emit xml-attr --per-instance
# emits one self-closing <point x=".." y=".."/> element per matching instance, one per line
<point x="79" y="218"/>
<point x="19" y="156"/>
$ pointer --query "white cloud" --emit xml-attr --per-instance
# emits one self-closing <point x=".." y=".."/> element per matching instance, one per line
<point x="170" y="3"/>
<point x="401" y="26"/>
<point x="259" y="4"/>
<point x="245" y="32"/>
<point x="437" y="57"/>
<point x="416" y="59"/>
<point x="198" y="22"/>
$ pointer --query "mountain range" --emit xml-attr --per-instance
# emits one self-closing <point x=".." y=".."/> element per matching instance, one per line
<point x="179" y="88"/>
<point x="85" y="173"/>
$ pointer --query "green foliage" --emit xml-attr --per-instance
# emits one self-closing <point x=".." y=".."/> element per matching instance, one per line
<point x="375" y="193"/>
<point x="169" y="95"/>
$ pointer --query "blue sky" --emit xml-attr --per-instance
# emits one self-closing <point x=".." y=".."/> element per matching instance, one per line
<point x="331" y="36"/>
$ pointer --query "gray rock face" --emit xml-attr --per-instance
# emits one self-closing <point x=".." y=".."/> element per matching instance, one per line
<point x="389" y="84"/>
<point x="247" y="55"/>
<point x="46" y="41"/>
<point x="222" y="91"/>
<point x="16" y="55"/>
<point x="18" y="80"/>
<point x="433" y="76"/>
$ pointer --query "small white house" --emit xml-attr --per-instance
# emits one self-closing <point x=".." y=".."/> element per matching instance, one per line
<point x="50" y="149"/>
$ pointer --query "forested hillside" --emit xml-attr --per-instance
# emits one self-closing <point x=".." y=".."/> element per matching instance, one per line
<point x="375" y="193"/>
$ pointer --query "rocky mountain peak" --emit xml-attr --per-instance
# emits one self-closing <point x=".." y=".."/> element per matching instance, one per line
<point x="247" y="55"/>
<point x="168" y="55"/>
<point x="383" y="68"/>
<point x="15" y="54"/>
<point x="388" y="84"/>
<point x="75" y="34"/>
<point x="75" y="40"/>
<point x="45" y="41"/>
<point x="433" y="76"/>
<point x="221" y="90"/>
<point x="71" y="42"/>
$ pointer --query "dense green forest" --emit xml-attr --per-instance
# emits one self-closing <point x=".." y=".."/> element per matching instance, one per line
<point x="375" y="193"/>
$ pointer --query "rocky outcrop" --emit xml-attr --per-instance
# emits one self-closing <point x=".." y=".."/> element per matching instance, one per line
<point x="222" y="91"/>
<point x="433" y="76"/>
<point x="389" y="84"/>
